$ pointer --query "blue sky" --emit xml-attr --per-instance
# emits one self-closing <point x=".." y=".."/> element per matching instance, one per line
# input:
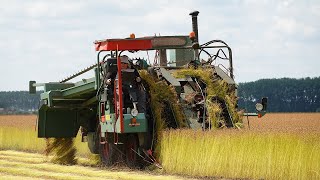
<point x="49" y="40"/>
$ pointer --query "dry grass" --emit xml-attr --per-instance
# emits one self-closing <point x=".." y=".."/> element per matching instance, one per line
<point x="214" y="88"/>
<point x="46" y="170"/>
<point x="241" y="154"/>
<point x="17" y="132"/>
<point x="160" y="95"/>
<point x="278" y="146"/>
<point x="63" y="150"/>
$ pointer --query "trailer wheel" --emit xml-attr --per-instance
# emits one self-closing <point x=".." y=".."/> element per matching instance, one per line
<point x="131" y="149"/>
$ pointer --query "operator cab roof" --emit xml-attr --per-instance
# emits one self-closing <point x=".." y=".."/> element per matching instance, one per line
<point x="143" y="43"/>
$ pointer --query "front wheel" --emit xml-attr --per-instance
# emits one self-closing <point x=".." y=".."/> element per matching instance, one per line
<point x="107" y="154"/>
<point x="106" y="150"/>
<point x="131" y="147"/>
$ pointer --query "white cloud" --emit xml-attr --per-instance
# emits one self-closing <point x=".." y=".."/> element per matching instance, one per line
<point x="48" y="40"/>
<point x="53" y="8"/>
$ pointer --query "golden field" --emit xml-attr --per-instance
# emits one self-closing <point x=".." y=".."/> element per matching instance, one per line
<point x="22" y="157"/>
<point x="277" y="146"/>
<point x="23" y="165"/>
<point x="286" y="122"/>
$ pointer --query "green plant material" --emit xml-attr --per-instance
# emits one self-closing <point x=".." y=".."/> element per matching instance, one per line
<point x="214" y="87"/>
<point x="94" y="159"/>
<point x="215" y="112"/>
<point x="241" y="154"/>
<point x="237" y="116"/>
<point x="162" y="94"/>
<point x="63" y="149"/>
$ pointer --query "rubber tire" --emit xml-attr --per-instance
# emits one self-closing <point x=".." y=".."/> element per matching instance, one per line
<point x="132" y="158"/>
<point x="93" y="142"/>
<point x="107" y="154"/>
<point x="107" y="151"/>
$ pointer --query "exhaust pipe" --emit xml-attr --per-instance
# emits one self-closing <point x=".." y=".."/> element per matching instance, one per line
<point x="194" y="16"/>
<point x="195" y="43"/>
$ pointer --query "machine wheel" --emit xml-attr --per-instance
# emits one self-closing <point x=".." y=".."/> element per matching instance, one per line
<point x="93" y="142"/>
<point x="107" y="154"/>
<point x="225" y="115"/>
<point x="106" y="151"/>
<point x="131" y="147"/>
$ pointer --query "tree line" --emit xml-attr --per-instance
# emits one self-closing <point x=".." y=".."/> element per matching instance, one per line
<point x="284" y="95"/>
<point x="18" y="102"/>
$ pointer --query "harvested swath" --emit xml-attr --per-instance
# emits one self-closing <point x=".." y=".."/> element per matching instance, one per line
<point x="63" y="150"/>
<point x="25" y="169"/>
<point x="214" y="88"/>
<point x="162" y="98"/>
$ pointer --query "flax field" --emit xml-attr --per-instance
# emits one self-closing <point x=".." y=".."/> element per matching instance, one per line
<point x="277" y="146"/>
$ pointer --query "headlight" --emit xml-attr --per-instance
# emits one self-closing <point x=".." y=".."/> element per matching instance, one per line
<point x="259" y="107"/>
<point x="134" y="112"/>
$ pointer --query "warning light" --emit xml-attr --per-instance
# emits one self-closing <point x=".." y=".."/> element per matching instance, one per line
<point x="259" y="115"/>
<point x="132" y="36"/>
<point x="103" y="119"/>
<point x="192" y="35"/>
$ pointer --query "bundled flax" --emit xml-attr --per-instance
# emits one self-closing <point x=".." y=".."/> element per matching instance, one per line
<point x="163" y="98"/>
<point x="63" y="150"/>
<point x="214" y="88"/>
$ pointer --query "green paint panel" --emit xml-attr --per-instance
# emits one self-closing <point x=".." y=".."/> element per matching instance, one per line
<point x="57" y="122"/>
<point x="56" y="86"/>
<point x="79" y="89"/>
<point x="141" y="120"/>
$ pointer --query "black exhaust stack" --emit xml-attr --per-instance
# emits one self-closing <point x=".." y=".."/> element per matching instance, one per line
<point x="194" y="16"/>
<point x="195" y="40"/>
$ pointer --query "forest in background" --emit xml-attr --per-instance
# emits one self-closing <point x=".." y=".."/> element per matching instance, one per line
<point x="284" y="95"/>
<point x="19" y="102"/>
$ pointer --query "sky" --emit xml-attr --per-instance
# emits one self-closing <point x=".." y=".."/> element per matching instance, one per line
<point x="46" y="41"/>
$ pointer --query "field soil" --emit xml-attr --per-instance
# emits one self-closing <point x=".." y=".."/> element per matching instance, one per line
<point x="296" y="123"/>
<point x="23" y="121"/>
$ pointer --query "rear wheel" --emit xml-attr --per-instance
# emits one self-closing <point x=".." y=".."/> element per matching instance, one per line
<point x="131" y="149"/>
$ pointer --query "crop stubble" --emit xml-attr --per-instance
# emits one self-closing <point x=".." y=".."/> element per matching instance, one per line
<point x="19" y="121"/>
<point x="285" y="123"/>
